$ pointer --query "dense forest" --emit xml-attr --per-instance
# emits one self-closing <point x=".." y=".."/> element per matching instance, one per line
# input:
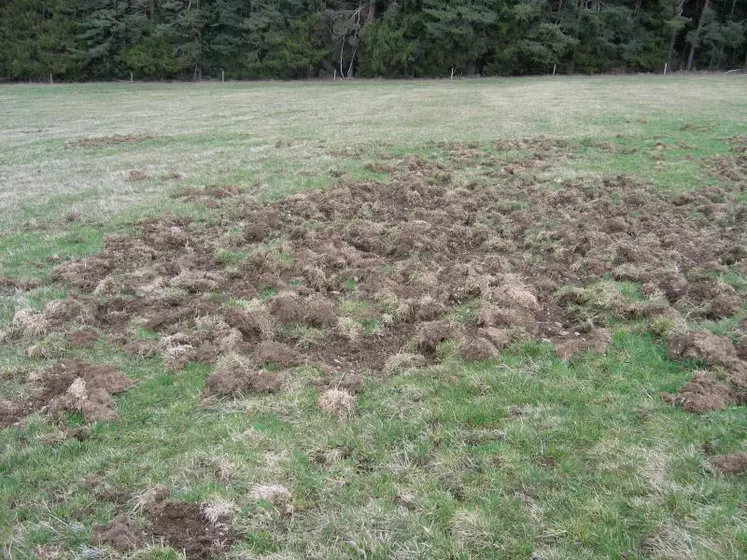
<point x="287" y="39"/>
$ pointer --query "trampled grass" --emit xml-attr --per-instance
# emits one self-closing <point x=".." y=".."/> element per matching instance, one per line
<point x="521" y="456"/>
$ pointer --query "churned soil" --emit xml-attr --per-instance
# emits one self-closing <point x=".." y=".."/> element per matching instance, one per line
<point x="348" y="278"/>
<point x="68" y="385"/>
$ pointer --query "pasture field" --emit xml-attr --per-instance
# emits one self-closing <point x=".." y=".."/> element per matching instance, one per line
<point x="464" y="319"/>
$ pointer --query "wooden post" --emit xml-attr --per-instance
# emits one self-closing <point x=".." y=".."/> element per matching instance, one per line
<point x="666" y="66"/>
<point x="334" y="76"/>
<point x="554" y="67"/>
<point x="51" y="81"/>
<point x="222" y="76"/>
<point x="452" y="73"/>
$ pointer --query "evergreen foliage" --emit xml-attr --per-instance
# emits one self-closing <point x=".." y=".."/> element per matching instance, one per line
<point x="288" y="39"/>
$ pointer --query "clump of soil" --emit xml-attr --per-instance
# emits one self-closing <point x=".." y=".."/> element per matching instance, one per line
<point x="235" y="374"/>
<point x="287" y="310"/>
<point x="729" y="167"/>
<point x="598" y="340"/>
<point x="478" y="349"/>
<point x="717" y="350"/>
<point x="735" y="463"/>
<point x="706" y="392"/>
<point x="105" y="141"/>
<point x="431" y="334"/>
<point x="69" y="385"/>
<point x="183" y="526"/>
<point x="270" y="352"/>
<point x="120" y="534"/>
<point x="320" y="313"/>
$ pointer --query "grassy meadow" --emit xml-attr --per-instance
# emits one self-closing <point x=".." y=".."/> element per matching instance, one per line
<point x="525" y="456"/>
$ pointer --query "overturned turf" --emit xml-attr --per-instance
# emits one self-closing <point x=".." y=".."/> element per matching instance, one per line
<point x="348" y="278"/>
<point x="182" y="525"/>
<point x="68" y="385"/>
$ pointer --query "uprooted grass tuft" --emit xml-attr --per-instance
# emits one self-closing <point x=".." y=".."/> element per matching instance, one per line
<point x="337" y="402"/>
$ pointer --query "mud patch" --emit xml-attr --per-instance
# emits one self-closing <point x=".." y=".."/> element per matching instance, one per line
<point x="183" y="526"/>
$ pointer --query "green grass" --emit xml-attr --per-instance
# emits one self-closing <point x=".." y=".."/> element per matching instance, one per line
<point x="523" y="457"/>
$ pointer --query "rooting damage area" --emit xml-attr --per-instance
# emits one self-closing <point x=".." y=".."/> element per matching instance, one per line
<point x="373" y="277"/>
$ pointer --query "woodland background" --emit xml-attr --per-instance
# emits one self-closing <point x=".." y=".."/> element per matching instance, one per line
<point x="77" y="40"/>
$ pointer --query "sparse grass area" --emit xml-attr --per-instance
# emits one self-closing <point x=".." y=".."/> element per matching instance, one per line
<point x="522" y="456"/>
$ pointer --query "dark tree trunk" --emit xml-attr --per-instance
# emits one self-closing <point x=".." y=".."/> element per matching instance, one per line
<point x="693" y="45"/>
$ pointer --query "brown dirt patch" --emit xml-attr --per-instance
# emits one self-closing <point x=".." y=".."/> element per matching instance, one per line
<point x="367" y="271"/>
<point x="183" y="526"/>
<point x="105" y="141"/>
<point x="270" y="352"/>
<point x="69" y="385"/>
<point x="735" y="463"/>
<point x="432" y="333"/>
<point x="705" y="392"/>
<point x="704" y="346"/>
<point x="120" y="534"/>
<point x="731" y="167"/>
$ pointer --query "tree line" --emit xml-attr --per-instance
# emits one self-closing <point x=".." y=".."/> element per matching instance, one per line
<point x="292" y="39"/>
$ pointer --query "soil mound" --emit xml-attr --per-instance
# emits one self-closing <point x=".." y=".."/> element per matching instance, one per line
<point x="69" y="385"/>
